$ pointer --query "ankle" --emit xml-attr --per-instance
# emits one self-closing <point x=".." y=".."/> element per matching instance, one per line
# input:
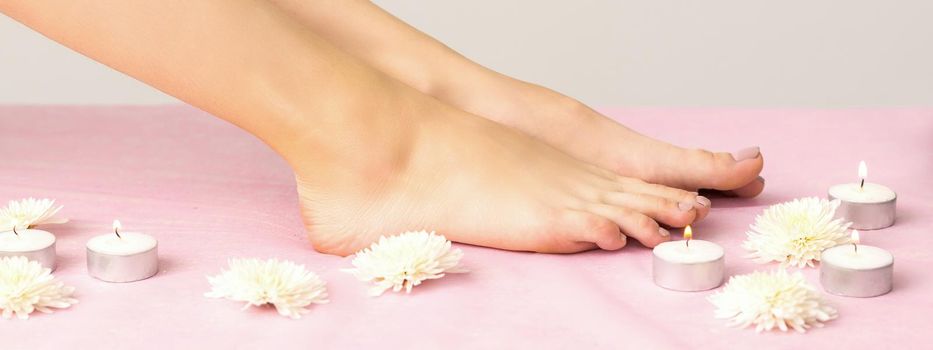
<point x="368" y="139"/>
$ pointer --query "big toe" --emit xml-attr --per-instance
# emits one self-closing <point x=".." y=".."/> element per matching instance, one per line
<point x="735" y="173"/>
<point x="752" y="189"/>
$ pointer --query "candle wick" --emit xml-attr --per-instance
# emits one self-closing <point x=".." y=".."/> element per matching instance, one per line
<point x="687" y="242"/>
<point x="855" y="246"/>
<point x="117" y="231"/>
<point x="862" y="186"/>
<point x="14" y="231"/>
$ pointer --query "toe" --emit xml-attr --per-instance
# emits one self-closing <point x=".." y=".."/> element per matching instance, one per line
<point x="633" y="224"/>
<point x="682" y="198"/>
<point x="704" y="205"/>
<point x="663" y="210"/>
<point x="724" y="171"/>
<point x="696" y="168"/>
<point x="750" y="190"/>
<point x="602" y="232"/>
<point x="578" y="231"/>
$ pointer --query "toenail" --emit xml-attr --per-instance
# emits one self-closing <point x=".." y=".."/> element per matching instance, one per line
<point x="704" y="201"/>
<point x="663" y="232"/>
<point x="684" y="206"/>
<point x="746" y="153"/>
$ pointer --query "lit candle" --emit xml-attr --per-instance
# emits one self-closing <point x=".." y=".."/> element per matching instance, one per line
<point x="856" y="270"/>
<point x="122" y="256"/>
<point x="689" y="265"/>
<point x="33" y="244"/>
<point x="868" y="206"/>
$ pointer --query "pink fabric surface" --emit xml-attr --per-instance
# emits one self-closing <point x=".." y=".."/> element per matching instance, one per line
<point x="209" y="191"/>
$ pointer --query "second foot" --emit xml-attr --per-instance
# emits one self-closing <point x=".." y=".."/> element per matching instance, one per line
<point x="481" y="183"/>
<point x="588" y="135"/>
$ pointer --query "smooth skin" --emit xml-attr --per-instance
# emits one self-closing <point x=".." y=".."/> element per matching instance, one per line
<point x="375" y="36"/>
<point x="372" y="156"/>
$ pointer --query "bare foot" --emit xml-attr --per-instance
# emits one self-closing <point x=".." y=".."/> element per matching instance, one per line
<point x="476" y="182"/>
<point x="372" y="156"/>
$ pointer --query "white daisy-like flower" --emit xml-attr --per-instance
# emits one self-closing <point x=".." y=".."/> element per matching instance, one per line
<point x="26" y="286"/>
<point x="794" y="233"/>
<point x="772" y="300"/>
<point x="283" y="284"/>
<point x="404" y="261"/>
<point x="28" y="213"/>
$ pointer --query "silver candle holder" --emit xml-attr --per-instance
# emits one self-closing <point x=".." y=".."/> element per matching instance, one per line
<point x="122" y="256"/>
<point x="40" y="247"/>
<point x="867" y="205"/>
<point x="856" y="270"/>
<point x="867" y="216"/>
<point x="690" y="265"/>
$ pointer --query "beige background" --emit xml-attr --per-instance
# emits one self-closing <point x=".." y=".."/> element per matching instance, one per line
<point x="745" y="53"/>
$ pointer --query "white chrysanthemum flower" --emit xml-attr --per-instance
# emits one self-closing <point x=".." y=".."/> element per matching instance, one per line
<point x="404" y="261"/>
<point x="771" y="300"/>
<point x="26" y="286"/>
<point x="28" y="213"/>
<point x="283" y="284"/>
<point x="794" y="233"/>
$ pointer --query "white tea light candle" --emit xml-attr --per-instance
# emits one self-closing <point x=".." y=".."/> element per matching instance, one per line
<point x="690" y="265"/>
<point x="867" y="205"/>
<point x="35" y="245"/>
<point x="122" y="256"/>
<point x="855" y="270"/>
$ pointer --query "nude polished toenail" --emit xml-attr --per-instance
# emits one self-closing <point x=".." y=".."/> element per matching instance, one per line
<point x="704" y="201"/>
<point x="684" y="206"/>
<point x="746" y="153"/>
<point x="663" y="232"/>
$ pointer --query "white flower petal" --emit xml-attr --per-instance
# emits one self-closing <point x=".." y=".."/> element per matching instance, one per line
<point x="796" y="232"/>
<point x="26" y="286"/>
<point x="404" y="261"/>
<point x="28" y="213"/>
<point x="771" y="300"/>
<point x="289" y="287"/>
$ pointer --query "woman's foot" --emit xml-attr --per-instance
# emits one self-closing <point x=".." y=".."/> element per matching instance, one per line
<point x="473" y="180"/>
<point x="588" y="135"/>
<point x="372" y="156"/>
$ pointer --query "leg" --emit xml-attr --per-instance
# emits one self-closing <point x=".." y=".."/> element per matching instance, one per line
<point x="371" y="155"/>
<point x="366" y="31"/>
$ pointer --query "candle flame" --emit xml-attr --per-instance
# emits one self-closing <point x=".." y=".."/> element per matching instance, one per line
<point x="688" y="233"/>
<point x="855" y="239"/>
<point x="862" y="170"/>
<point x="116" y="225"/>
